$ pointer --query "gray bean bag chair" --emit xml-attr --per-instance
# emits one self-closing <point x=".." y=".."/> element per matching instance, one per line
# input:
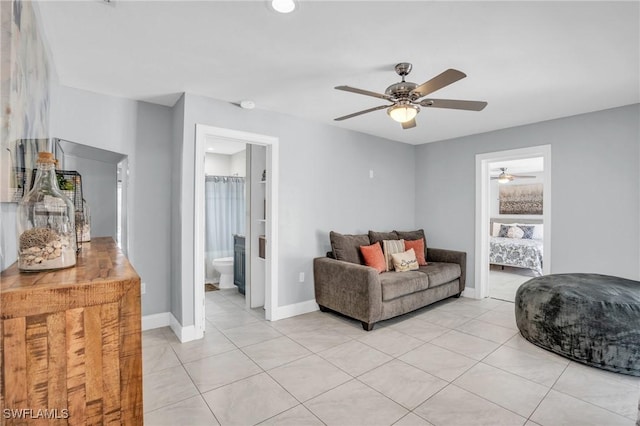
<point x="590" y="318"/>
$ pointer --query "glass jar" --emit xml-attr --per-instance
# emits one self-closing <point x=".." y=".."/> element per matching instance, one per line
<point x="83" y="223"/>
<point x="46" y="222"/>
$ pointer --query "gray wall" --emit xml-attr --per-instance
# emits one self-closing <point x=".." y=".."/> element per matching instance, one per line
<point x="324" y="185"/>
<point x="595" y="182"/>
<point x="99" y="184"/>
<point x="142" y="132"/>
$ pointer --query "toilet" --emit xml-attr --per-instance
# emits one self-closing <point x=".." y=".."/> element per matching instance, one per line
<point x="224" y="265"/>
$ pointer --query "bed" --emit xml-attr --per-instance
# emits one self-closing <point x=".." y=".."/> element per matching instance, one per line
<point x="516" y="243"/>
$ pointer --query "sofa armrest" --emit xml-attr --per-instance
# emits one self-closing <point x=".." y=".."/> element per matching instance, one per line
<point x="450" y="256"/>
<point x="351" y="289"/>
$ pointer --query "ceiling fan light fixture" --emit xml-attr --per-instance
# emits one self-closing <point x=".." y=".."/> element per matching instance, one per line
<point x="403" y="113"/>
<point x="503" y="178"/>
<point x="283" y="6"/>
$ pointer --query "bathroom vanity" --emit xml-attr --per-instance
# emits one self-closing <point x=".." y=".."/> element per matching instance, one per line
<point x="239" y="257"/>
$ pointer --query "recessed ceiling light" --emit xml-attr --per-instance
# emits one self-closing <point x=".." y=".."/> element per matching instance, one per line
<point x="283" y="6"/>
<point x="247" y="104"/>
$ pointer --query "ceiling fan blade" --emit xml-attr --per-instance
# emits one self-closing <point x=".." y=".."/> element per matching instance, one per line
<point x="438" y="82"/>
<point x="355" y="114"/>
<point x="454" y="104"/>
<point x="523" y="177"/>
<point x="363" y="92"/>
<point x="409" y="124"/>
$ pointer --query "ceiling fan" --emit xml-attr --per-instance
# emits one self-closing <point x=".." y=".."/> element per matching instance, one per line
<point x="405" y="96"/>
<point x="505" y="177"/>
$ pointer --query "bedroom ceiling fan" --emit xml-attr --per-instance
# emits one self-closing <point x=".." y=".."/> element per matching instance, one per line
<point x="505" y="177"/>
<point x="405" y="96"/>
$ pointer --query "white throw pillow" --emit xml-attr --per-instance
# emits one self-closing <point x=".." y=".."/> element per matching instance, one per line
<point x="515" y="232"/>
<point x="405" y="261"/>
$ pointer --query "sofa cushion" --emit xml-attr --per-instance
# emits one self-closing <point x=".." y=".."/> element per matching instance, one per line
<point x="347" y="247"/>
<point x="390" y="247"/>
<point x="413" y="235"/>
<point x="398" y="284"/>
<point x="441" y="273"/>
<point x="378" y="237"/>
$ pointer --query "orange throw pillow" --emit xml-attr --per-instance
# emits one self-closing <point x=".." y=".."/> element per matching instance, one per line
<point x="373" y="257"/>
<point x="418" y="248"/>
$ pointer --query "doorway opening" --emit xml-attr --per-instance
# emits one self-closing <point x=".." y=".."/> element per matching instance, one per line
<point x="491" y="219"/>
<point x="266" y="227"/>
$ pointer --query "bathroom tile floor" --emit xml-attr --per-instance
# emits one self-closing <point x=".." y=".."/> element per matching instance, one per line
<point x="457" y="362"/>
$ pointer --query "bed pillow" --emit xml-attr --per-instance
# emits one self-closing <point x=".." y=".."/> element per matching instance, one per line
<point x="538" y="232"/>
<point x="418" y="248"/>
<point x="515" y="232"/>
<point x="504" y="231"/>
<point x="390" y="247"/>
<point x="405" y="261"/>
<point x="527" y="231"/>
<point x="373" y="257"/>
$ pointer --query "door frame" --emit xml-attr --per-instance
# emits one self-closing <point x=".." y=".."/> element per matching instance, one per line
<point x="271" y="231"/>
<point x="483" y="209"/>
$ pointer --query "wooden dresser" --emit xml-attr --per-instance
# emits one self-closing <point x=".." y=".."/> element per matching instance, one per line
<point x="71" y="342"/>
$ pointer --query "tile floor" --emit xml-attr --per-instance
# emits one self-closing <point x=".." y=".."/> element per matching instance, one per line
<point x="503" y="283"/>
<point x="458" y="362"/>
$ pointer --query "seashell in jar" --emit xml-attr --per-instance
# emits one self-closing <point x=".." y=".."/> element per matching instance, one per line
<point x="57" y="244"/>
<point x="38" y="259"/>
<point x="57" y="252"/>
<point x="49" y="249"/>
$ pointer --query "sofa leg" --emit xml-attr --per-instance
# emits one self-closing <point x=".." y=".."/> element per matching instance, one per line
<point x="368" y="326"/>
<point x="457" y="296"/>
<point x="323" y="308"/>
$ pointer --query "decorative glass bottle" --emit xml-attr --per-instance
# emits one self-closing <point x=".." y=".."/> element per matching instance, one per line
<point x="46" y="222"/>
<point x="83" y="223"/>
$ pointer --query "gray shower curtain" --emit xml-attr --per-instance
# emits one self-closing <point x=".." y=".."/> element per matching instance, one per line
<point x="225" y="215"/>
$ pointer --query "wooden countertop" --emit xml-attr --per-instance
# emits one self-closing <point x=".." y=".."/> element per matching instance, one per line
<point x="100" y="265"/>
<point x="70" y="340"/>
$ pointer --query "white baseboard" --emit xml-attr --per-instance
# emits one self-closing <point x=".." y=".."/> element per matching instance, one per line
<point x="149" y="322"/>
<point x="282" y="312"/>
<point x="469" y="292"/>
<point x="166" y="319"/>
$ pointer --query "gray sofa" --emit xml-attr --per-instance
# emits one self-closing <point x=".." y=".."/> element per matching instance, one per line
<point x="344" y="284"/>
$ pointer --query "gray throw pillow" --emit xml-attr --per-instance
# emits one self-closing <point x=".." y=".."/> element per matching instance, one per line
<point x="347" y="247"/>
<point x="379" y="237"/>
<point x="504" y="231"/>
<point x="412" y="236"/>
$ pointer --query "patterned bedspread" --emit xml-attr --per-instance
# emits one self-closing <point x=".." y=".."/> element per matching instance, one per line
<point x="516" y="252"/>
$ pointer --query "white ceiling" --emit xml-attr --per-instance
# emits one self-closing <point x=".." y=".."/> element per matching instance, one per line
<point x="531" y="61"/>
<point x="223" y="146"/>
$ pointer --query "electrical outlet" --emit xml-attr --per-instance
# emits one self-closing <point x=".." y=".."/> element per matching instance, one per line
<point x="301" y="277"/>
<point x="143" y="288"/>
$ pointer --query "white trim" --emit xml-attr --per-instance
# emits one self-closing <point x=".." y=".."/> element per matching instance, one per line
<point x="149" y="322"/>
<point x="287" y="311"/>
<point x="166" y="319"/>
<point x="469" y="292"/>
<point x="483" y="210"/>
<point x="271" y="231"/>
<point x="185" y="334"/>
